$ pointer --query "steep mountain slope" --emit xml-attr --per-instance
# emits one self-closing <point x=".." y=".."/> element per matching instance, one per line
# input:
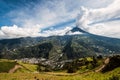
<point x="59" y="47"/>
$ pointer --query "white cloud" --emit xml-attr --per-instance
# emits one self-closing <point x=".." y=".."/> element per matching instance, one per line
<point x="60" y="32"/>
<point x="99" y="21"/>
<point x="30" y="21"/>
<point x="17" y="32"/>
<point x="74" y="33"/>
<point x="109" y="29"/>
<point x="51" y="13"/>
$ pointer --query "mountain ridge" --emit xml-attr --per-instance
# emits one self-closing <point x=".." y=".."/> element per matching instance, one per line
<point x="62" y="47"/>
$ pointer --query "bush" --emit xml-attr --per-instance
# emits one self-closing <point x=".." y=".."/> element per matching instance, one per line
<point x="45" y="68"/>
<point x="71" y="70"/>
<point x="100" y="57"/>
<point x="72" y="67"/>
<point x="114" y="77"/>
<point x="90" y="66"/>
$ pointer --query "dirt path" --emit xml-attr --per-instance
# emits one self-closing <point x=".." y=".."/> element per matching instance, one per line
<point x="100" y="69"/>
<point x="103" y="66"/>
<point x="15" y="68"/>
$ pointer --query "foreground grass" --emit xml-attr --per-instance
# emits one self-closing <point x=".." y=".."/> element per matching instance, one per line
<point x="27" y="68"/>
<point x="61" y="76"/>
<point x="27" y="72"/>
<point x="6" y="65"/>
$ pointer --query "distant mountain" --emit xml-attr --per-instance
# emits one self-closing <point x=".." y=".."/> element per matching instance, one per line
<point x="76" y="29"/>
<point x="59" y="47"/>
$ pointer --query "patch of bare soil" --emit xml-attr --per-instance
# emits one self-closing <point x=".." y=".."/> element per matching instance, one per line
<point x="15" y="68"/>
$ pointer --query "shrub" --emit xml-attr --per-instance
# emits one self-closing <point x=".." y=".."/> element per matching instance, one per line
<point x="114" y="77"/>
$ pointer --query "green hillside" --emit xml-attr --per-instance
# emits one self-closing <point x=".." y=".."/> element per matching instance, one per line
<point x="85" y="70"/>
<point x="59" y="47"/>
<point x="6" y="65"/>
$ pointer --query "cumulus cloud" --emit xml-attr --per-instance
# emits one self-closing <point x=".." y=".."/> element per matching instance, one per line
<point x="101" y="21"/>
<point x="60" y="32"/>
<point x="30" y="20"/>
<point x="17" y="32"/>
<point x="51" y="13"/>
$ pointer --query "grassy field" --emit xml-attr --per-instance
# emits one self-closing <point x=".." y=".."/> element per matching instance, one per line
<point x="6" y="65"/>
<point x="29" y="68"/>
<point x="28" y="72"/>
<point x="62" y="76"/>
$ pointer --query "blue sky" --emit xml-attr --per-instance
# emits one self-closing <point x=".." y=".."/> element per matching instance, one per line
<point x="22" y="18"/>
<point x="6" y="6"/>
<point x="26" y="6"/>
<point x="29" y="6"/>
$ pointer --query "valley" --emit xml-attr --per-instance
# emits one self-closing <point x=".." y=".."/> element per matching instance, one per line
<point x="81" y="70"/>
<point x="69" y="57"/>
<point x="59" y="40"/>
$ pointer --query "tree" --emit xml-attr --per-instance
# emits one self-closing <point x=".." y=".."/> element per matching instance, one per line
<point x="73" y="67"/>
<point x="99" y="57"/>
<point x="94" y="63"/>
